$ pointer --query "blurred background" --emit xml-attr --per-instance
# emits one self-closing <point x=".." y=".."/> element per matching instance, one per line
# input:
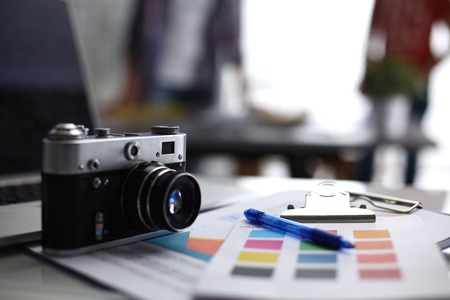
<point x="300" y="58"/>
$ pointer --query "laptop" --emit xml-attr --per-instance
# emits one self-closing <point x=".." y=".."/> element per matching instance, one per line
<point x="43" y="81"/>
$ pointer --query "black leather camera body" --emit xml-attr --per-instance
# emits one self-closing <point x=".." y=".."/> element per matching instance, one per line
<point x="108" y="189"/>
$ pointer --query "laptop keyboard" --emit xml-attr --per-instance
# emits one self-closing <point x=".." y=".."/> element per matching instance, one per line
<point x="13" y="194"/>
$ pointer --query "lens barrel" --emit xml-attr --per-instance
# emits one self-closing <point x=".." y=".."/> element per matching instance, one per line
<point x="155" y="197"/>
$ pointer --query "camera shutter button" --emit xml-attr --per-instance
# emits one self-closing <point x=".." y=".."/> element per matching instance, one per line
<point x="102" y="132"/>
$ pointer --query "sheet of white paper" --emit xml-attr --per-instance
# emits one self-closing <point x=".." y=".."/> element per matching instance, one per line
<point x="167" y="267"/>
<point x="394" y="258"/>
<point x="147" y="270"/>
<point x="139" y="270"/>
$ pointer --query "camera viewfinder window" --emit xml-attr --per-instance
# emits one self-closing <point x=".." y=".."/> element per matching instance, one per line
<point x="168" y="148"/>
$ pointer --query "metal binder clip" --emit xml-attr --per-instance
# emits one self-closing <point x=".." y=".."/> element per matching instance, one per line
<point x="328" y="204"/>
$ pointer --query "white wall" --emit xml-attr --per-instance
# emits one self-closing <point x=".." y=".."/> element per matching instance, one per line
<point x="309" y="55"/>
<point x="300" y="55"/>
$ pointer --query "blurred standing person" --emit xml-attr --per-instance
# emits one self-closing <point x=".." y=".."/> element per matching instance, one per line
<point x="177" y="48"/>
<point x="400" y="60"/>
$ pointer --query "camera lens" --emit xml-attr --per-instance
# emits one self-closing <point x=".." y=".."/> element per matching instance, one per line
<point x="155" y="197"/>
<point x="175" y="201"/>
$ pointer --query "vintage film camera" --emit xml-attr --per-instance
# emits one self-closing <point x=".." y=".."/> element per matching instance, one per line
<point x="108" y="189"/>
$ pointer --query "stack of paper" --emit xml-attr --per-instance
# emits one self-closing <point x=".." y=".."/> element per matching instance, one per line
<point x="223" y="256"/>
<point x="393" y="258"/>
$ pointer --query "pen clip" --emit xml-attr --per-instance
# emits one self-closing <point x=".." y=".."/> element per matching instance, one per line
<point x="373" y="198"/>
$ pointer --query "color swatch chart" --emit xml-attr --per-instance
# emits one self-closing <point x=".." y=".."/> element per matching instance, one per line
<point x="260" y="254"/>
<point x="375" y="255"/>
<point x="316" y="262"/>
<point x="260" y="263"/>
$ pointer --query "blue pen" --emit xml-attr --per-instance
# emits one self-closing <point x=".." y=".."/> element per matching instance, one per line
<point x="304" y="232"/>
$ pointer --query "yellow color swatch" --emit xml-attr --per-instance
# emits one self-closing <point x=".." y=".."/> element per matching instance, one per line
<point x="249" y="256"/>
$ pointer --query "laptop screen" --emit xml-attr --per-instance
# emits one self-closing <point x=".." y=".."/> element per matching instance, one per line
<point x="41" y="81"/>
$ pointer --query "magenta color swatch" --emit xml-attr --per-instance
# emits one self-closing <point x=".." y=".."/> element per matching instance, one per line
<point x="264" y="244"/>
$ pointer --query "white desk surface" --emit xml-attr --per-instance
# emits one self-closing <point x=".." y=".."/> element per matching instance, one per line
<point x="25" y="277"/>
